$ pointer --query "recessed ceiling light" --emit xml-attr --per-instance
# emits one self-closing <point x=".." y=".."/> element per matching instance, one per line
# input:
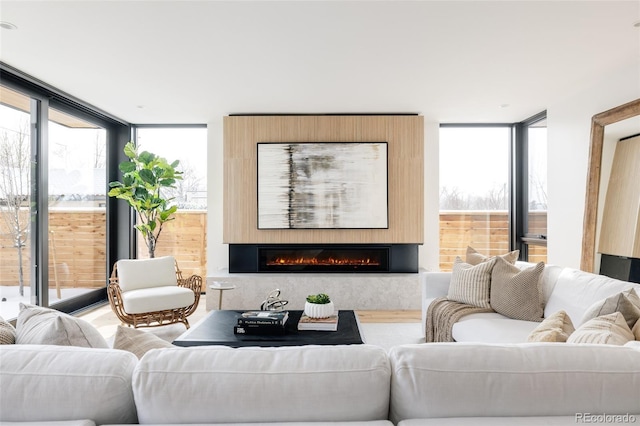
<point x="636" y="24"/>
<point x="504" y="105"/>
<point x="7" y="25"/>
<point x="140" y="106"/>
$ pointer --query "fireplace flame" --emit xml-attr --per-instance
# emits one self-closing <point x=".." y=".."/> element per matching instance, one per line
<point x="330" y="261"/>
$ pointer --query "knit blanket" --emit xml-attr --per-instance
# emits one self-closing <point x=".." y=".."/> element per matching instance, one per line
<point x="442" y="313"/>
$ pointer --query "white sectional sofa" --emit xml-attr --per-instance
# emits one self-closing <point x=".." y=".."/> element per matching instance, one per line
<point x="567" y="289"/>
<point x="357" y="385"/>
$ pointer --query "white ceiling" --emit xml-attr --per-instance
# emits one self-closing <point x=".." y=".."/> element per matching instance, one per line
<point x="195" y="61"/>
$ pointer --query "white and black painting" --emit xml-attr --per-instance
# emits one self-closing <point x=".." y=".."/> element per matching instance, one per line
<point x="326" y="185"/>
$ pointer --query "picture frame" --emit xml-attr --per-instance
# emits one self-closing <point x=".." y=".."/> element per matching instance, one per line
<point x="322" y="185"/>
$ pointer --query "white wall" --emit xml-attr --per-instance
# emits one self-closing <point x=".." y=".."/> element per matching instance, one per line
<point x="569" y="124"/>
<point x="569" y="127"/>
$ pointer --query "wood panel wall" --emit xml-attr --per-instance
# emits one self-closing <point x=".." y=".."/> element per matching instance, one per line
<point x="620" y="229"/>
<point x="404" y="135"/>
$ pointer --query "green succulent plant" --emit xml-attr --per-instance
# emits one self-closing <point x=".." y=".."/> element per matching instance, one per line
<point x="319" y="299"/>
<point x="143" y="176"/>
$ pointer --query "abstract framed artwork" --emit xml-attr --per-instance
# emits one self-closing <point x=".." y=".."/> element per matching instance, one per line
<point x="322" y="185"/>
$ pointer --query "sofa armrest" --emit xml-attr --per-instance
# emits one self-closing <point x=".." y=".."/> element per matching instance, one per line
<point x="434" y="284"/>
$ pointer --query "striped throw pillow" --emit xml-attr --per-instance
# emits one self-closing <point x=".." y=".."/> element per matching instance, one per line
<point x="516" y="293"/>
<point x="609" y="329"/>
<point x="471" y="284"/>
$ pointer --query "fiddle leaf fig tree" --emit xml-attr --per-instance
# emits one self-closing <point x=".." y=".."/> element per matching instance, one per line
<point x="143" y="178"/>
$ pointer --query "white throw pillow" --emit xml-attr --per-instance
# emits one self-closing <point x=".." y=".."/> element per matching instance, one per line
<point x="609" y="329"/>
<point x="44" y="326"/>
<point x="138" y="342"/>
<point x="471" y="284"/>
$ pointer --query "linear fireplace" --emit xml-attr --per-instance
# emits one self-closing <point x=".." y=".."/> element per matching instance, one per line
<point x="331" y="258"/>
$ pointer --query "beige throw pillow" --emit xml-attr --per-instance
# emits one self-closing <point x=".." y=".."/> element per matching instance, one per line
<point x="626" y="302"/>
<point x="636" y="330"/>
<point x="44" y="326"/>
<point x="471" y="284"/>
<point x="516" y="293"/>
<point x="555" y="328"/>
<point x="611" y="329"/>
<point x="475" y="258"/>
<point x="138" y="342"/>
<point x="7" y="332"/>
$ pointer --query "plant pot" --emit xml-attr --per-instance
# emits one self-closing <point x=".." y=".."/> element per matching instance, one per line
<point x="315" y="310"/>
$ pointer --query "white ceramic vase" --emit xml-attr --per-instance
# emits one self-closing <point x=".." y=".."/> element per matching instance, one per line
<point x="315" y="310"/>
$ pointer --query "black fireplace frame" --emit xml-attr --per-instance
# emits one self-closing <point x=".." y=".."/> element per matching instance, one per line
<point x="401" y="258"/>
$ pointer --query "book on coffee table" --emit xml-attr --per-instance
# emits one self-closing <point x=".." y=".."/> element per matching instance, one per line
<point x="319" y="324"/>
<point x="263" y="317"/>
<point x="259" y="329"/>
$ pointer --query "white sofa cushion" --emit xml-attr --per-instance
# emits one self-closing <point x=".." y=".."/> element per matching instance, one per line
<point x="500" y="421"/>
<point x="528" y="379"/>
<point x="492" y="327"/>
<point x="286" y="384"/>
<point x="156" y="299"/>
<point x="64" y="383"/>
<point x="575" y="291"/>
<point x="135" y="274"/>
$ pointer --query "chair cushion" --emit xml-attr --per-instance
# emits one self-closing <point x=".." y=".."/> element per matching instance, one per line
<point x="134" y="274"/>
<point x="156" y="299"/>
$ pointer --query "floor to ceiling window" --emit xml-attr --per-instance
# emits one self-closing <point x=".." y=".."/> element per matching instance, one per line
<point x="76" y="206"/>
<point x="474" y="191"/>
<point x="58" y="230"/>
<point x="535" y="222"/>
<point x="493" y="189"/>
<point x="185" y="237"/>
<point x="15" y="197"/>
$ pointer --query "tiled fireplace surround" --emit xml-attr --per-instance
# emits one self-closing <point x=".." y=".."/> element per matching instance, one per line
<point x="349" y="290"/>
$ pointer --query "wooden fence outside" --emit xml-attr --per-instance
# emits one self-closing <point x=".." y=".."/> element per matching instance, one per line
<point x="78" y="244"/>
<point x="77" y="248"/>
<point x="485" y="231"/>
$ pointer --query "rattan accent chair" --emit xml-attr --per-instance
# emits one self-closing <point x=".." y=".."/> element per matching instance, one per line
<point x="152" y="292"/>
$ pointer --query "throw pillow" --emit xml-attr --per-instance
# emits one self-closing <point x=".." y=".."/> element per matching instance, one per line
<point x="474" y="258"/>
<point x="611" y="329"/>
<point x="44" y="326"/>
<point x="636" y="330"/>
<point x="626" y="302"/>
<point x="7" y="332"/>
<point x="516" y="293"/>
<point x="138" y="342"/>
<point x="471" y="284"/>
<point x="555" y="328"/>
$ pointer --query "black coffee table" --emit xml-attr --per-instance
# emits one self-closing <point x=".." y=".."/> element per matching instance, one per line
<point x="217" y="329"/>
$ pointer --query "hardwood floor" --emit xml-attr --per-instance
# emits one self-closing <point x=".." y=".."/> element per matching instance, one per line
<point x="103" y="318"/>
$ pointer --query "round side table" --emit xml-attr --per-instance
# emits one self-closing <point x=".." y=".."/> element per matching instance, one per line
<point x="221" y="286"/>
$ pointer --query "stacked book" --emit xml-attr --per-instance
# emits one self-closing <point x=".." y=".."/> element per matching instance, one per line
<point x="319" y="324"/>
<point x="261" y="322"/>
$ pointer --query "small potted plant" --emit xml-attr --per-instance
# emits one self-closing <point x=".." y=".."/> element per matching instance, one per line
<point x="318" y="306"/>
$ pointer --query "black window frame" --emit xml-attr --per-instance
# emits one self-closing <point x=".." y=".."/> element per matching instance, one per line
<point x="118" y="215"/>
